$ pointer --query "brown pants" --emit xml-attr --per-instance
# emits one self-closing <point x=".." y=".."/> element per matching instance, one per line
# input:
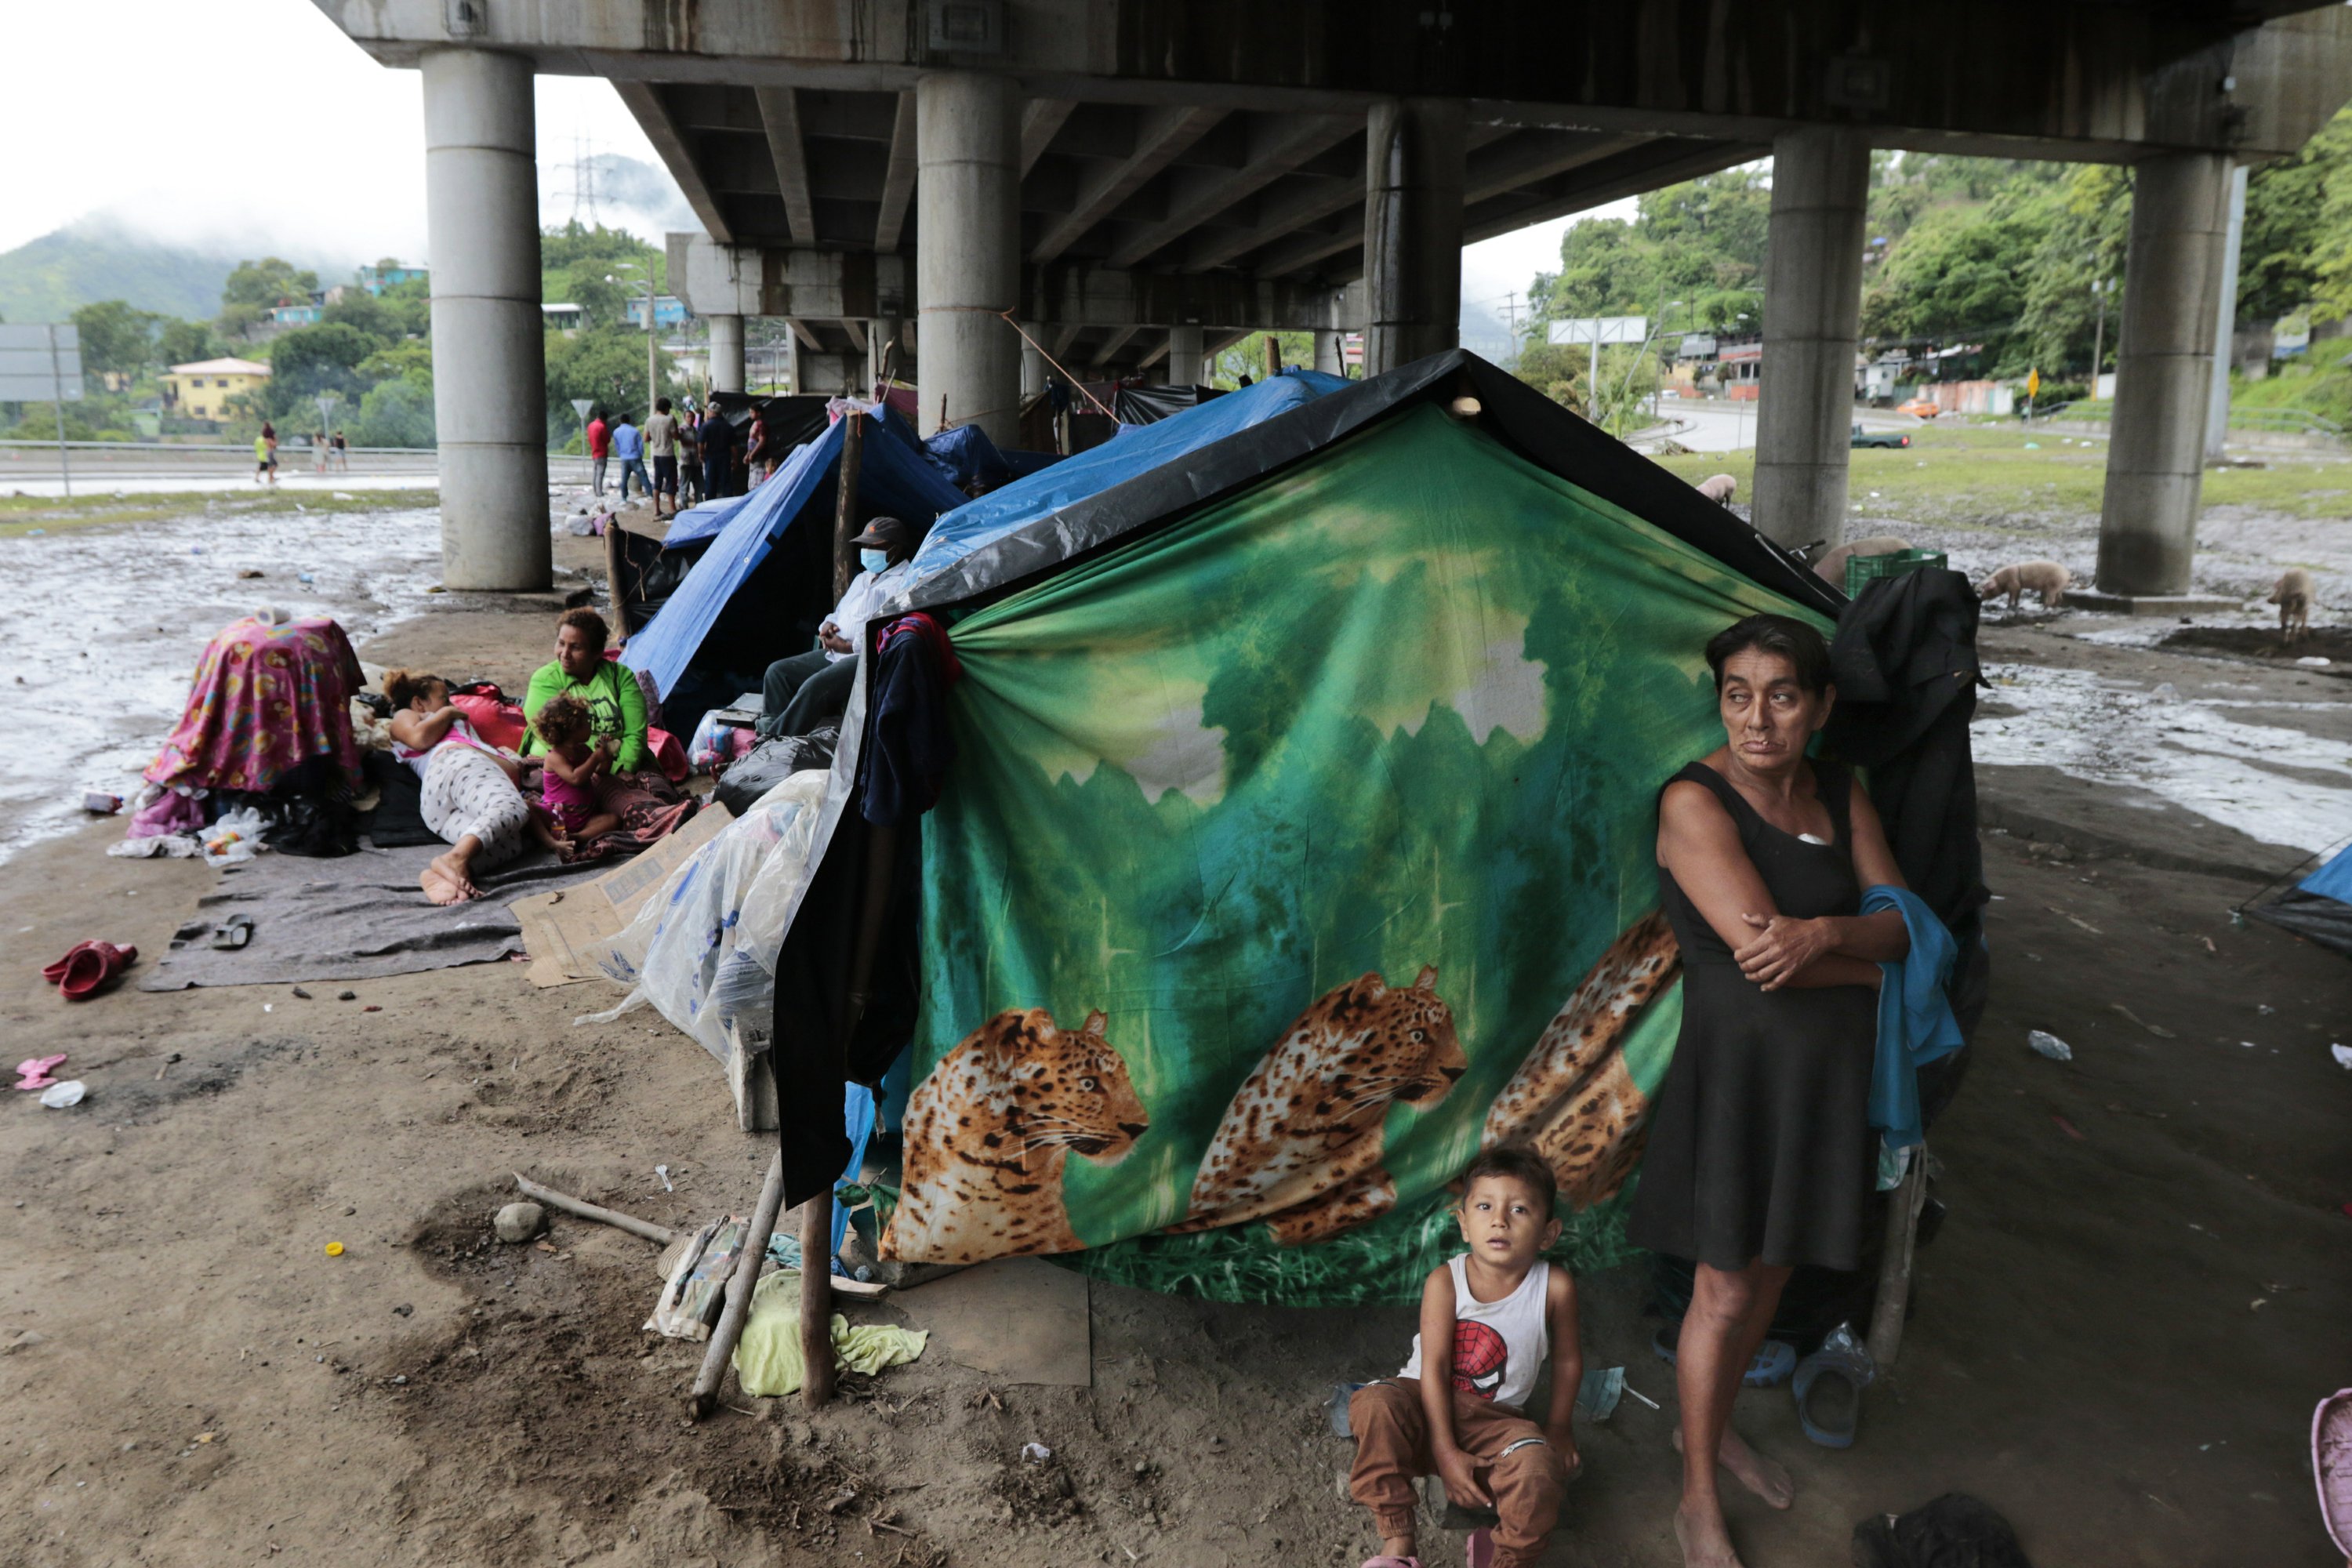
<point x="1514" y="1463"/>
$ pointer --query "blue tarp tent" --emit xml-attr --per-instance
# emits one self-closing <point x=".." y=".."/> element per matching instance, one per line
<point x="896" y="475"/>
<point x="970" y="456"/>
<point x="1136" y="448"/>
<point x="2319" y="907"/>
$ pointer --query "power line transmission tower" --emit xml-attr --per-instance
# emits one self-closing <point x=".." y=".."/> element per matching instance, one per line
<point x="583" y="183"/>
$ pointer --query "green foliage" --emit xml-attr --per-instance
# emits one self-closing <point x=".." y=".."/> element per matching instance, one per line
<point x="46" y="279"/>
<point x="255" y="286"/>
<point x="2090" y="224"/>
<point x="1559" y="371"/>
<point x="308" y="361"/>
<point x="2287" y="208"/>
<point x="575" y="262"/>
<point x="396" y="413"/>
<point x="1247" y="357"/>
<point x="186" y="343"/>
<point x="1955" y="274"/>
<point x="115" y="340"/>
<point x="1700" y="243"/>
<point x="606" y="365"/>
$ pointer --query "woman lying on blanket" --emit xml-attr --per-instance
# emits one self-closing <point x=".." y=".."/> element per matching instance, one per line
<point x="473" y="793"/>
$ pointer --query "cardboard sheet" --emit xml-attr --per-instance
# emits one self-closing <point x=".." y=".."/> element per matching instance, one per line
<point x="561" y="928"/>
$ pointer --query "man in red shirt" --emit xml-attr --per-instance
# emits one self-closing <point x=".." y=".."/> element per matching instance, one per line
<point x="600" y="446"/>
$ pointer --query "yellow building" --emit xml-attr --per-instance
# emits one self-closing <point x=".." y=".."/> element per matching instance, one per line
<point x="201" y="390"/>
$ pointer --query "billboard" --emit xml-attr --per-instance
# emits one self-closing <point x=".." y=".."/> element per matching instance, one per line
<point x="1598" y="330"/>
<point x="40" y="364"/>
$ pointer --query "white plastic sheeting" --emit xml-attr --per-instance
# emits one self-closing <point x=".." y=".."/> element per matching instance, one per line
<point x="702" y="950"/>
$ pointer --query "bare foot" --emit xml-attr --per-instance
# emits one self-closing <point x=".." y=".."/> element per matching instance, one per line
<point x="1768" y="1479"/>
<point x="445" y="881"/>
<point x="1400" y="1547"/>
<point x="1704" y="1541"/>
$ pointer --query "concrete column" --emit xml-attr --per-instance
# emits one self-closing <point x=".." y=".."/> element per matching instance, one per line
<point x="2225" y="321"/>
<point x="1413" y="230"/>
<point x="968" y="250"/>
<point x="1184" y="356"/>
<point x="2164" y="366"/>
<point x="726" y="352"/>
<point x="489" y="367"/>
<point x="1032" y="370"/>
<point x="1328" y="359"/>
<point x="1812" y="311"/>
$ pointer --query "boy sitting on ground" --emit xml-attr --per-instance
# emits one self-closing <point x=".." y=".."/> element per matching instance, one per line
<point x="1489" y="1320"/>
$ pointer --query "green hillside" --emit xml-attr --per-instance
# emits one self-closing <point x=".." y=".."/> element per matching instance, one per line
<point x="46" y="279"/>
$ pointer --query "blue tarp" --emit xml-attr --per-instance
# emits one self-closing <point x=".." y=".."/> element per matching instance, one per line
<point x="1136" y="448"/>
<point x="895" y="477"/>
<point x="2334" y="879"/>
<point x="969" y="457"/>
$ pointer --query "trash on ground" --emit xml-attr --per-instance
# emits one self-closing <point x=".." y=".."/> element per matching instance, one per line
<point x="2049" y="1045"/>
<point x="33" y="1072"/>
<point x="2314" y="661"/>
<point x="768" y="1357"/>
<point x="663" y="1171"/>
<point x="2069" y="1129"/>
<point x="1035" y="1453"/>
<point x="346" y="995"/>
<point x="1955" y="1528"/>
<point x="2160" y="1032"/>
<point x="693" y="1295"/>
<point x="519" y="1222"/>
<point x="2343" y="1054"/>
<point x="61" y="1094"/>
<point x="100" y="804"/>
<point x="334" y="1249"/>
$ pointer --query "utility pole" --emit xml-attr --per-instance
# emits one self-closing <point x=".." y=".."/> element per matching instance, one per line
<point x="2098" y="333"/>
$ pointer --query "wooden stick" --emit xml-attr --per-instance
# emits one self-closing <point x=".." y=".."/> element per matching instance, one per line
<point x="816" y="1300"/>
<point x="569" y="1205"/>
<point x="698" y="1403"/>
<point x="1895" y="1267"/>
<point x="845" y="515"/>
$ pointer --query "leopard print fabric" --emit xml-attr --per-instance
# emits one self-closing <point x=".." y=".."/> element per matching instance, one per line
<point x="1301" y="1142"/>
<point x="1572" y="1100"/>
<point x="990" y="1130"/>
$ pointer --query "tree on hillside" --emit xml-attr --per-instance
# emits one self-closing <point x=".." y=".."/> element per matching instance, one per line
<point x="1956" y="274"/>
<point x="115" y="340"/>
<point x="253" y="286"/>
<point x="1701" y="242"/>
<point x="308" y="361"/>
<point x="186" y="343"/>
<point x="2288" y="223"/>
<point x="607" y="366"/>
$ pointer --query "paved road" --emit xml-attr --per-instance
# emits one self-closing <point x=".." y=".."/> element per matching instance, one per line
<point x="1726" y="427"/>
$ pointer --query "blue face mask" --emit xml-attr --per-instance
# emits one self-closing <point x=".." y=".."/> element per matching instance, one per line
<point x="874" y="560"/>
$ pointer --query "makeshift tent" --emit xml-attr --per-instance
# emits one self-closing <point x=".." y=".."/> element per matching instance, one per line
<point x="969" y="458"/>
<point x="2318" y="907"/>
<point x="1134" y="451"/>
<point x="1149" y="405"/>
<point x="763" y="578"/>
<point x="1297" y="840"/>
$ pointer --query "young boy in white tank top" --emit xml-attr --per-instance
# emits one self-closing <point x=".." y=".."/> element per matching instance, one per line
<point x="1489" y="1322"/>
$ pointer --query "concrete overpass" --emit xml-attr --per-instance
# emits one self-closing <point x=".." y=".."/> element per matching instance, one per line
<point x="1137" y="181"/>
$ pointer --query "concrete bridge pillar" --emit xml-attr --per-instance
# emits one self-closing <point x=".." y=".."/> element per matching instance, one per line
<point x="1413" y="230"/>
<point x="1184" y="346"/>
<point x="968" y="251"/>
<point x="1328" y="357"/>
<point x="726" y="352"/>
<point x="1812" y="311"/>
<point x="489" y="370"/>
<point x="2164" y="368"/>
<point x="1032" y="370"/>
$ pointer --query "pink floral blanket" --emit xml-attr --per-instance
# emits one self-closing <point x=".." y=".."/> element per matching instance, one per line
<point x="265" y="699"/>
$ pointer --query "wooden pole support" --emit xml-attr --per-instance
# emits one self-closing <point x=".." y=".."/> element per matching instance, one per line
<point x="845" y="515"/>
<point x="1894" y="1266"/>
<point x="738" y="1293"/>
<point x="573" y="1205"/>
<point x="816" y="1300"/>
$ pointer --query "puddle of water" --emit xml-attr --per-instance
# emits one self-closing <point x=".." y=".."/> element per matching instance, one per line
<point x="2185" y="749"/>
<point x="105" y="627"/>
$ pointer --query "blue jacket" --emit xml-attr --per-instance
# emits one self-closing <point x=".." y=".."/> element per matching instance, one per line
<point x="1915" y="1018"/>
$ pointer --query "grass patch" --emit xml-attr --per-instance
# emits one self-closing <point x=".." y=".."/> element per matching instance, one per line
<point x="20" y="515"/>
<point x="1963" y="476"/>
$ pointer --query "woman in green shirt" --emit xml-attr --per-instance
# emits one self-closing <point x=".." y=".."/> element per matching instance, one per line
<point x="616" y="707"/>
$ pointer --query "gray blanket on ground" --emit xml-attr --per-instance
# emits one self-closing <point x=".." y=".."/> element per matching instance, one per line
<point x="360" y="917"/>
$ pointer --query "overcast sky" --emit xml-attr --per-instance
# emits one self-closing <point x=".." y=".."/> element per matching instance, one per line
<point x="191" y="120"/>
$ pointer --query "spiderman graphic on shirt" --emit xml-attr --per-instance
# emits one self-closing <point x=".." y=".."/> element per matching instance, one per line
<point x="1480" y="1358"/>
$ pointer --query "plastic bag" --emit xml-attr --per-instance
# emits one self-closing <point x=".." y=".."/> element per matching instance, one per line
<point x="236" y="837"/>
<point x="703" y="949"/>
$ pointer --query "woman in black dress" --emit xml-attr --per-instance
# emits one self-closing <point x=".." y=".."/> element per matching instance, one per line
<point x="1761" y="1156"/>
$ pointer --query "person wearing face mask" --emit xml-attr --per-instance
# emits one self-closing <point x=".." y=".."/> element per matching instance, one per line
<point x="799" y="692"/>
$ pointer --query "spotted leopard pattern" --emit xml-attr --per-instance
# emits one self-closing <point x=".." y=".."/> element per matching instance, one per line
<point x="990" y="1130"/>
<point x="1303" y="1134"/>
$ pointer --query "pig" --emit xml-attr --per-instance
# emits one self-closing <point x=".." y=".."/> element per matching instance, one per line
<point x="2293" y="594"/>
<point x="1719" y="489"/>
<point x="1830" y="567"/>
<point x="2046" y="578"/>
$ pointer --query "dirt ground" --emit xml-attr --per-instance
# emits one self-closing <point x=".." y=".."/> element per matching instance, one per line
<point x="2119" y="1334"/>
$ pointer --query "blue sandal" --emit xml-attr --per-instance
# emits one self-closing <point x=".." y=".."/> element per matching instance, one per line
<point x="1774" y="1359"/>
<point x="1828" y="1389"/>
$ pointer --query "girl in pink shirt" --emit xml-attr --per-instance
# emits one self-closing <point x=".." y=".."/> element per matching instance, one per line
<point x="575" y="767"/>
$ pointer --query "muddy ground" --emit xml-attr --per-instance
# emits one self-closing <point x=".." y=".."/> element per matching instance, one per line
<point x="2119" y="1336"/>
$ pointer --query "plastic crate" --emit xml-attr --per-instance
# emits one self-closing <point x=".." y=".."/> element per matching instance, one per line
<point x="1860" y="571"/>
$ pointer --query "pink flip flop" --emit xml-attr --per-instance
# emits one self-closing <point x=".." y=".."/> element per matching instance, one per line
<point x="33" y="1072"/>
<point x="1391" y="1563"/>
<point x="1479" y="1552"/>
<point x="2331" y="1466"/>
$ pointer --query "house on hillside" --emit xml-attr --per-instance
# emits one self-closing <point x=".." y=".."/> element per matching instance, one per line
<point x="202" y="389"/>
<point x="308" y="310"/>
<point x="376" y="279"/>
